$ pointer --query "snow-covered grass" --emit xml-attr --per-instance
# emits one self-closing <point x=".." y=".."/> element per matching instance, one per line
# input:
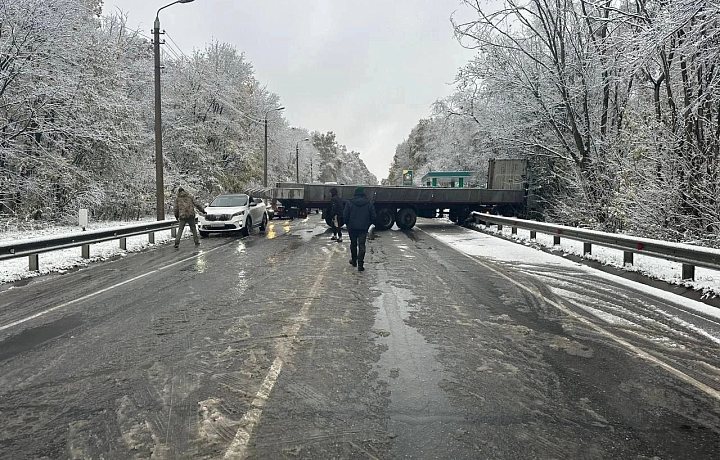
<point x="66" y="259"/>
<point x="707" y="281"/>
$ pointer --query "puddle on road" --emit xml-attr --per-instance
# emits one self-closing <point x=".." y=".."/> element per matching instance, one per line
<point x="422" y="418"/>
<point x="241" y="285"/>
<point x="307" y="234"/>
<point x="31" y="338"/>
<point x="200" y="264"/>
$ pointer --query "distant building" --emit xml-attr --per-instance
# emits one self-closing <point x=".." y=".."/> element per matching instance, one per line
<point x="446" y="179"/>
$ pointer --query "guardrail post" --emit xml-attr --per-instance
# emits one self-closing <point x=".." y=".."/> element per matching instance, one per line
<point x="173" y="232"/>
<point x="123" y="244"/>
<point x="151" y="237"/>
<point x="627" y="258"/>
<point x="499" y="227"/>
<point x="513" y="230"/>
<point x="34" y="262"/>
<point x="85" y="251"/>
<point x="688" y="272"/>
<point x="533" y="234"/>
<point x="587" y="248"/>
<point x="556" y="240"/>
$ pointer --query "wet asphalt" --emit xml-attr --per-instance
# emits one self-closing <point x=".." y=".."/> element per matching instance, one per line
<point x="273" y="346"/>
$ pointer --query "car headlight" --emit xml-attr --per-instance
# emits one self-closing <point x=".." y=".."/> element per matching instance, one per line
<point x="240" y="213"/>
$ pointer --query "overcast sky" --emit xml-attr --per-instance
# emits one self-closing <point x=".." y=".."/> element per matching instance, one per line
<point x="367" y="70"/>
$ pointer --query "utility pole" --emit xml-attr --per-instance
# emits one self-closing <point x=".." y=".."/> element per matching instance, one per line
<point x="159" y="186"/>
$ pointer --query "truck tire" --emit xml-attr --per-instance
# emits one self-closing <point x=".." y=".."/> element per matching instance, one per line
<point x="385" y="218"/>
<point x="406" y="218"/>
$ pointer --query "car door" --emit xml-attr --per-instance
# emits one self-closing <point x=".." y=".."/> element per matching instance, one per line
<point x="256" y="210"/>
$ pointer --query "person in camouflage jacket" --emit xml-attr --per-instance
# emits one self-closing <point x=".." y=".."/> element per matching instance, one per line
<point x="185" y="206"/>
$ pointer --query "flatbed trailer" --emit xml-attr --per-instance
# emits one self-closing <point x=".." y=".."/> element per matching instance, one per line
<point x="402" y="205"/>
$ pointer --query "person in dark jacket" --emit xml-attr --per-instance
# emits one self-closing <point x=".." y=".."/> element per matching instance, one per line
<point x="358" y="214"/>
<point x="335" y="211"/>
<point x="185" y="206"/>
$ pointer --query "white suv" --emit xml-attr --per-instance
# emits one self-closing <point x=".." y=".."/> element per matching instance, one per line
<point x="230" y="213"/>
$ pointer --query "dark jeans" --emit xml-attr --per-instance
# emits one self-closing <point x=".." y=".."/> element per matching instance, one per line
<point x="337" y="229"/>
<point x="357" y="245"/>
<point x="181" y="226"/>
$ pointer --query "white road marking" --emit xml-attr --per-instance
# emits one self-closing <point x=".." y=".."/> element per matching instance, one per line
<point x="70" y="302"/>
<point x="639" y="352"/>
<point x="252" y="417"/>
<point x="238" y="447"/>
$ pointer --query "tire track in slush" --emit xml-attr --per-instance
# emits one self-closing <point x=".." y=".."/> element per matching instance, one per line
<point x="238" y="447"/>
<point x="708" y="390"/>
<point x="109" y="288"/>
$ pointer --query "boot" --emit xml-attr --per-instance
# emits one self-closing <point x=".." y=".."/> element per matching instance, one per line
<point x="361" y="267"/>
<point x="333" y="238"/>
<point x="353" y="262"/>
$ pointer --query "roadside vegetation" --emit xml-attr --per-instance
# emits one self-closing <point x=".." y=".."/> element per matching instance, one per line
<point x="615" y="103"/>
<point x="76" y="119"/>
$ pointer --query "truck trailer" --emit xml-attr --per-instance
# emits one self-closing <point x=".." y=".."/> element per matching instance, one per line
<point x="403" y="205"/>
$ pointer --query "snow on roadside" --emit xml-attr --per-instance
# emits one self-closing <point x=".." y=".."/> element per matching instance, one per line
<point x="706" y="280"/>
<point x="67" y="259"/>
<point x="58" y="230"/>
<point x="483" y="245"/>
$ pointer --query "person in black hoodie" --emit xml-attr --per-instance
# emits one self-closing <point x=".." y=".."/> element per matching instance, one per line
<point x="335" y="211"/>
<point x="358" y="214"/>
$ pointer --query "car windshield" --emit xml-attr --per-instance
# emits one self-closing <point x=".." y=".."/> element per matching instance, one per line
<point x="229" y="201"/>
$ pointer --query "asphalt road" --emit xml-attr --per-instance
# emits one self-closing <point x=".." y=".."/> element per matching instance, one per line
<point x="273" y="346"/>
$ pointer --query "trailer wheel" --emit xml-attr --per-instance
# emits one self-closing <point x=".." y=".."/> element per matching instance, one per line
<point x="406" y="218"/>
<point x="385" y="219"/>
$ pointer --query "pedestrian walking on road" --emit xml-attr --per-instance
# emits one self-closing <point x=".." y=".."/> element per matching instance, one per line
<point x="185" y="206"/>
<point x="335" y="212"/>
<point x="358" y="214"/>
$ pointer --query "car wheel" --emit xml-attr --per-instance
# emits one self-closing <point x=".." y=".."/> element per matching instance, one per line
<point x="248" y="227"/>
<point x="203" y="234"/>
<point x="263" y="224"/>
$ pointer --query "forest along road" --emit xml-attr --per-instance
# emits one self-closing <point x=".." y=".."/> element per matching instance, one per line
<point x="273" y="346"/>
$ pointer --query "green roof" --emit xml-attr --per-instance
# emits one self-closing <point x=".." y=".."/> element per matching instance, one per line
<point x="447" y="174"/>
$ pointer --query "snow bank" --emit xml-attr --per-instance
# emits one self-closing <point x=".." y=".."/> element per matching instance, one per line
<point x="66" y="259"/>
<point x="706" y="280"/>
<point x="487" y="246"/>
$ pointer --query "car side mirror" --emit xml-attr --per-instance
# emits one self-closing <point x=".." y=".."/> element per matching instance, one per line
<point x="252" y="203"/>
<point x="206" y="205"/>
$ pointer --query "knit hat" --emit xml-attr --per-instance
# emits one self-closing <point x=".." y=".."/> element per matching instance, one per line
<point x="359" y="191"/>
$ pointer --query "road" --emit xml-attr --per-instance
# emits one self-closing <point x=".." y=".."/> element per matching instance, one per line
<point x="273" y="346"/>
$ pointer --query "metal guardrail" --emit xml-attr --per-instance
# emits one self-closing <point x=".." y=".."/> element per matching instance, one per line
<point x="32" y="248"/>
<point x="690" y="256"/>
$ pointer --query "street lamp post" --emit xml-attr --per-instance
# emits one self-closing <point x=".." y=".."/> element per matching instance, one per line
<point x="159" y="186"/>
<point x="297" y="158"/>
<point x="266" y="168"/>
